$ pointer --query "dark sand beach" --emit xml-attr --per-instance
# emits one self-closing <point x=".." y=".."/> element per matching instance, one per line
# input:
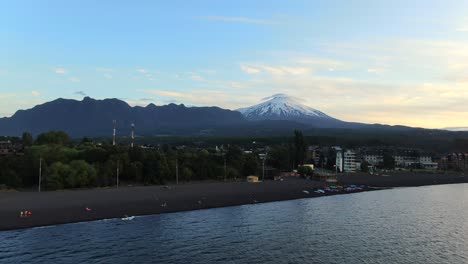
<point x="68" y="206"/>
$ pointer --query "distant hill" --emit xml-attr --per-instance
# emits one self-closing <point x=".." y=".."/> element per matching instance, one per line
<point x="91" y="117"/>
<point x="94" y="118"/>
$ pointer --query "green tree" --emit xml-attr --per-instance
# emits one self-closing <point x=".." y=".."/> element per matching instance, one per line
<point x="27" y="139"/>
<point x="305" y="170"/>
<point x="300" y="147"/>
<point x="250" y="165"/>
<point x="82" y="174"/>
<point x="56" y="175"/>
<point x="388" y="161"/>
<point x="279" y="158"/>
<point x="365" y="166"/>
<point x="53" y="137"/>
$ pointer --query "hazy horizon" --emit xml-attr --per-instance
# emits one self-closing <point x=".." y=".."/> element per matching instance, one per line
<point x="395" y="63"/>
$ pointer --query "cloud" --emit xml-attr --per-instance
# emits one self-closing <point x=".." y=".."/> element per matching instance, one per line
<point x="108" y="76"/>
<point x="375" y="71"/>
<point x="7" y="95"/>
<point x="245" y="20"/>
<point x="35" y="93"/>
<point x="80" y="93"/>
<point x="274" y="70"/>
<point x="197" y="78"/>
<point x="147" y="99"/>
<point x="144" y="71"/>
<point x="74" y="79"/>
<point x="60" y="71"/>
<point x="165" y="93"/>
<point x="231" y="99"/>
<point x="250" y="69"/>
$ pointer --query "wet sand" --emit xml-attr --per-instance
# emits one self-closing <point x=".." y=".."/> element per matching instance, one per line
<point x="59" y="207"/>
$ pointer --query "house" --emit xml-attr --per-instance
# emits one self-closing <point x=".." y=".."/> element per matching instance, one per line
<point x="10" y="148"/>
<point x="373" y="159"/>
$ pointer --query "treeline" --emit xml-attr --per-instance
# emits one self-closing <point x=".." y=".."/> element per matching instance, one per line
<point x="86" y="164"/>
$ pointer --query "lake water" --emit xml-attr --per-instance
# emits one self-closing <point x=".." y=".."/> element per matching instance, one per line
<point x="406" y="225"/>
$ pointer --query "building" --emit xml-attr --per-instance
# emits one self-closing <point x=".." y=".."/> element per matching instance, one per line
<point x="454" y="161"/>
<point x="9" y="148"/>
<point x="427" y="163"/>
<point x="339" y="159"/>
<point x="349" y="161"/>
<point x="373" y="159"/>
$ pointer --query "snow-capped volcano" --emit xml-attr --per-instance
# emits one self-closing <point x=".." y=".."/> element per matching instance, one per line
<point x="281" y="107"/>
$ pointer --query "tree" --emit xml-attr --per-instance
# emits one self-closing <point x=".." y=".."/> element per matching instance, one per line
<point x="365" y="166"/>
<point x="388" y="161"/>
<point x="82" y="174"/>
<point x="27" y="139"/>
<point x="278" y="157"/>
<point x="53" y="137"/>
<point x="331" y="159"/>
<point x="305" y="171"/>
<point x="250" y="165"/>
<point x="300" y="147"/>
<point x="56" y="175"/>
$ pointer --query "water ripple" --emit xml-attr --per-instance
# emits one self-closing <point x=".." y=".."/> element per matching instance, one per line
<point x="408" y="225"/>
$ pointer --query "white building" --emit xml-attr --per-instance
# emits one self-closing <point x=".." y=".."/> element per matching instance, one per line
<point x="339" y="159"/>
<point x="349" y="161"/>
<point x="426" y="162"/>
<point x="373" y="159"/>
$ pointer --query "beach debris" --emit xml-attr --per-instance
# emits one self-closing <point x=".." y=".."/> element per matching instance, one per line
<point x="164" y="204"/>
<point x="24" y="214"/>
<point x="306" y="192"/>
<point x="127" y="218"/>
<point x="88" y="209"/>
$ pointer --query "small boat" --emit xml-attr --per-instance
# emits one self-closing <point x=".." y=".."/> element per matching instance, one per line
<point x="128" y="218"/>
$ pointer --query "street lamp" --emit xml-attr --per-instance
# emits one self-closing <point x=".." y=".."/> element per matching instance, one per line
<point x="263" y="166"/>
<point x="40" y="173"/>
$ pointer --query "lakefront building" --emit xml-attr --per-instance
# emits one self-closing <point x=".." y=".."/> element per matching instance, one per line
<point x="373" y="159"/>
<point x="349" y="161"/>
<point x="338" y="159"/>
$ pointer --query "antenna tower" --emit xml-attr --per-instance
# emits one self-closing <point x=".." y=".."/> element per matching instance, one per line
<point x="113" y="134"/>
<point x="133" y="134"/>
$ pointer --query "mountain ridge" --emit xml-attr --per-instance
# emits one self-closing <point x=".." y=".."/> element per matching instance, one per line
<point x="93" y="118"/>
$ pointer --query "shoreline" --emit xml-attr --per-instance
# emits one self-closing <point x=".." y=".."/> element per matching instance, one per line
<point x="71" y="206"/>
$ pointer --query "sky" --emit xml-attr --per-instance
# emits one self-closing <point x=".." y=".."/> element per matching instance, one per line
<point x="391" y="62"/>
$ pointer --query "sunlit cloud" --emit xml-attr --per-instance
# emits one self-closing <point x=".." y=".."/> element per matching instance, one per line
<point x="35" y="93"/>
<point x="250" y="69"/>
<point x="60" y="71"/>
<point x="274" y="69"/>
